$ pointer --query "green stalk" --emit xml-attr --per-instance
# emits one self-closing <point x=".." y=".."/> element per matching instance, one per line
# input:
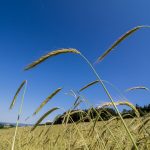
<point x="19" y="114"/>
<point x="111" y="99"/>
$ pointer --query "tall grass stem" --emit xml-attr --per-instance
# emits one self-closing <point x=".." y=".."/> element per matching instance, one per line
<point x="19" y="114"/>
<point x="111" y="99"/>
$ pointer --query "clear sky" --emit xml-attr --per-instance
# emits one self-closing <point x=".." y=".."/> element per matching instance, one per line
<point x="32" y="28"/>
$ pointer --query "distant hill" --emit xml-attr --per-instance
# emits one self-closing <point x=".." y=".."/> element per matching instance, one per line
<point x="13" y="124"/>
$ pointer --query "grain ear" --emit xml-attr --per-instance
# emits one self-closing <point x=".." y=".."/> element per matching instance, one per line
<point x="122" y="38"/>
<point x="16" y="94"/>
<point x="47" y="100"/>
<point x="88" y="85"/>
<point x="137" y="88"/>
<point x="49" y="55"/>
<point x="122" y="103"/>
<point x="44" y="116"/>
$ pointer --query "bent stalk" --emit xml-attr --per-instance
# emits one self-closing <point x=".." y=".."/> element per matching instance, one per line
<point x="111" y="99"/>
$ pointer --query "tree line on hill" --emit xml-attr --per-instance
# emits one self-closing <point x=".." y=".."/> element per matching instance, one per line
<point x="98" y="113"/>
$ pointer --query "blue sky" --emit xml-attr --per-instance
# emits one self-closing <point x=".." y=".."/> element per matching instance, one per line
<point x="32" y="28"/>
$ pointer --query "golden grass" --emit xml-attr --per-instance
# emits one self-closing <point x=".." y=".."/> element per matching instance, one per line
<point x="68" y="137"/>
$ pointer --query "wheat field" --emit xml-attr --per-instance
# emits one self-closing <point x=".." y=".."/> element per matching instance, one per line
<point x="80" y="136"/>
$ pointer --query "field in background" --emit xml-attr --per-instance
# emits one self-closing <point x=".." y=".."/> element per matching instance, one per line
<point x="80" y="136"/>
